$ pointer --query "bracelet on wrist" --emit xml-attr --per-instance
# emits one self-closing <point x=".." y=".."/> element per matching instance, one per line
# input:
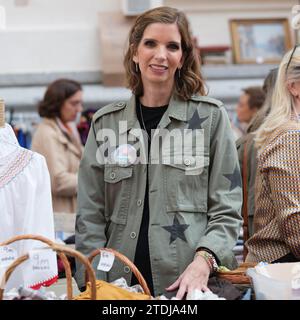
<point x="209" y="258"/>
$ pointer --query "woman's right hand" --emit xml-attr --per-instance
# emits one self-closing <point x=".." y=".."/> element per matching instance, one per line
<point x="194" y="277"/>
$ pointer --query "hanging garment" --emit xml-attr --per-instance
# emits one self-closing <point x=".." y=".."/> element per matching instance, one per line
<point x="22" y="138"/>
<point x="26" y="208"/>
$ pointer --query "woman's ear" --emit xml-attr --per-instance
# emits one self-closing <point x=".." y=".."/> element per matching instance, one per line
<point x="181" y="62"/>
<point x="135" y="59"/>
<point x="134" y="54"/>
<point x="292" y="89"/>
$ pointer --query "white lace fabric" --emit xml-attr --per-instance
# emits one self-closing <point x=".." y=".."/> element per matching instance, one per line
<point x="25" y="206"/>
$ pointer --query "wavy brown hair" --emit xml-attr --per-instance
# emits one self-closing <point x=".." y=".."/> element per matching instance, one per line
<point x="190" y="81"/>
<point x="55" y="96"/>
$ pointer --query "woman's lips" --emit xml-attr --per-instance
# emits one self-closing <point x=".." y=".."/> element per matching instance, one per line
<point x="158" y="68"/>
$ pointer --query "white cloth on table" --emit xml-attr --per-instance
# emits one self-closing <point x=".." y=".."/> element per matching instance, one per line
<point x="25" y="207"/>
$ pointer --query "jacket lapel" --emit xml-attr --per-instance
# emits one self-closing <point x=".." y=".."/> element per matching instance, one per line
<point x="177" y="109"/>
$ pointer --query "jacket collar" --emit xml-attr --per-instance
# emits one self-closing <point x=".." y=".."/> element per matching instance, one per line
<point x="177" y="109"/>
<point x="130" y="115"/>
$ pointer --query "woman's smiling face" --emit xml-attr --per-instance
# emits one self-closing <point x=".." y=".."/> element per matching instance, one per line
<point x="159" y="54"/>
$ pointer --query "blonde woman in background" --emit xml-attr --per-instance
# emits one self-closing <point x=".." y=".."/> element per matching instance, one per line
<point x="277" y="195"/>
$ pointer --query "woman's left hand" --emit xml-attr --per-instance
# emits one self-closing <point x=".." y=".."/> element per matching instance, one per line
<point x="194" y="277"/>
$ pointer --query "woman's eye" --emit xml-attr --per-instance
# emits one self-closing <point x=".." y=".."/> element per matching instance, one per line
<point x="149" y="43"/>
<point x="173" y="46"/>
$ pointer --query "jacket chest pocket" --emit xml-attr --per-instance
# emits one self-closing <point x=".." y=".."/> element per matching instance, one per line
<point x="118" y="184"/>
<point x="187" y="185"/>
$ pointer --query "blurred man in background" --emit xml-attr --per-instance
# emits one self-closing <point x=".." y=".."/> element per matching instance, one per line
<point x="250" y="101"/>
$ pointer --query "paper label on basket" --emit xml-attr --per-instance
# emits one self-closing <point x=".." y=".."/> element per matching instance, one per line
<point x="7" y="255"/>
<point x="40" y="259"/>
<point x="106" y="261"/>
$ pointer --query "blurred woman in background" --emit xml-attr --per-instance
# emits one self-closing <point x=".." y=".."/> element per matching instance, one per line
<point x="58" y="140"/>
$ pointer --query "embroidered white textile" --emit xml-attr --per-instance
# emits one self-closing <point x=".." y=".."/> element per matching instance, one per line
<point x="25" y="208"/>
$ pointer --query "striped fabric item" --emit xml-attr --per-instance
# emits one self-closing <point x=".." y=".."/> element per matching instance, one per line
<point x="277" y="197"/>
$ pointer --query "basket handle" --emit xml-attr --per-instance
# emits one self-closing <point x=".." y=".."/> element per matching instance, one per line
<point x="60" y="249"/>
<point x="50" y="243"/>
<point x="27" y="237"/>
<point x="126" y="261"/>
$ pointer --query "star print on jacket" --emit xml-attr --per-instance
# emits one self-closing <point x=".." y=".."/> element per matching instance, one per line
<point x="234" y="178"/>
<point x="195" y="122"/>
<point x="177" y="230"/>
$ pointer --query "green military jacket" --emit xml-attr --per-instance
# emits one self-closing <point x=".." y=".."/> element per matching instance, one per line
<point x="188" y="209"/>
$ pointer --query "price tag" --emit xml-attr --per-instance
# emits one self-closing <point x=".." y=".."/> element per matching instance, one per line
<point x="106" y="261"/>
<point x="7" y="256"/>
<point x="39" y="260"/>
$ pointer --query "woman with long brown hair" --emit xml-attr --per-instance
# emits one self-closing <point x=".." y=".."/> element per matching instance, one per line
<point x="173" y="210"/>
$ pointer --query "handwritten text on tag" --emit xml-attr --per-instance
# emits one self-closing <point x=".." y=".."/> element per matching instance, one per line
<point x="7" y="255"/>
<point x="106" y="261"/>
<point x="39" y="260"/>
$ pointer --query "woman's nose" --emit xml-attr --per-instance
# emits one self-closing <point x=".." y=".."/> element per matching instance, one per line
<point x="160" y="53"/>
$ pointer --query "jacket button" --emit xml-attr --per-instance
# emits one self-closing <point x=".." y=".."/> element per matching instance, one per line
<point x="187" y="161"/>
<point x="126" y="269"/>
<point x="132" y="235"/>
<point x="112" y="175"/>
<point x="139" y="202"/>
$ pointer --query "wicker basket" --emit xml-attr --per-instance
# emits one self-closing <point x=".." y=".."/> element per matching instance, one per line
<point x="127" y="262"/>
<point x="237" y="276"/>
<point x="62" y="251"/>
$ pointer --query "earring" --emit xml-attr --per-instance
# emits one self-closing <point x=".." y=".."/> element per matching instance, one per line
<point x="179" y="73"/>
<point x="136" y="68"/>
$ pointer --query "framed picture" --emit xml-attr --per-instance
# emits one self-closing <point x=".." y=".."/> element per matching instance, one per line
<point x="260" y="40"/>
